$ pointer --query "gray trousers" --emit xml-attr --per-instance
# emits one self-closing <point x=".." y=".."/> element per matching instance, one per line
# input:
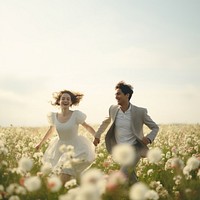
<point x="129" y="170"/>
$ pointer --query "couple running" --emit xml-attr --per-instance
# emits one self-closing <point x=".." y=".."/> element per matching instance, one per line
<point x="125" y="123"/>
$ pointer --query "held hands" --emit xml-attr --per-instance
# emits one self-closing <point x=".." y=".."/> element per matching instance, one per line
<point x="96" y="141"/>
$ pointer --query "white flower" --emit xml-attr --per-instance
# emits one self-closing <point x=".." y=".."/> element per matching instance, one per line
<point x="25" y="164"/>
<point x="63" y="148"/>
<point x="198" y="174"/>
<point x="150" y="172"/>
<point x="188" y="140"/>
<point x="12" y="188"/>
<point x="117" y="177"/>
<point x="88" y="192"/>
<point x="70" y="154"/>
<point x="70" y="183"/>
<point x="76" y="160"/>
<point x="46" y="168"/>
<point x="54" y="183"/>
<point x="4" y="163"/>
<point x="123" y="154"/>
<point x="70" y="148"/>
<point x="177" y="179"/>
<point x="92" y="175"/>
<point x="154" y="155"/>
<point x="101" y="155"/>
<point x="32" y="183"/>
<point x="177" y="163"/>
<point x="14" y="197"/>
<point x="152" y="195"/>
<point x="4" y="150"/>
<point x="193" y="163"/>
<point x="168" y="154"/>
<point x="57" y="170"/>
<point x="1" y="188"/>
<point x="138" y="191"/>
<point x="65" y="197"/>
<point x="186" y="170"/>
<point x="67" y="164"/>
<point x="38" y="155"/>
<point x="70" y="195"/>
<point x="20" y="190"/>
<point x="1" y="144"/>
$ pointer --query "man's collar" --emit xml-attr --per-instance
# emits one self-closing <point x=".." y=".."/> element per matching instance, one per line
<point x="129" y="108"/>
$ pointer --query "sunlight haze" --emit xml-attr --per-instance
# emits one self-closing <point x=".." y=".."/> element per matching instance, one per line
<point x="89" y="46"/>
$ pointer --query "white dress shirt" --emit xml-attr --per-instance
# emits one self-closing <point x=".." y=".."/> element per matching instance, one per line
<point x="123" y="131"/>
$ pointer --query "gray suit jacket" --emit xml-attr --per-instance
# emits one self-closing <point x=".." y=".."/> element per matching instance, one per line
<point x="139" y="118"/>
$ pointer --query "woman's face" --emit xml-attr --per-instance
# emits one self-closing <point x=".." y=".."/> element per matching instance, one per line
<point x="65" y="100"/>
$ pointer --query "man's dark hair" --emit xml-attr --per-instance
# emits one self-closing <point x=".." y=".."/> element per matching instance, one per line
<point x="125" y="88"/>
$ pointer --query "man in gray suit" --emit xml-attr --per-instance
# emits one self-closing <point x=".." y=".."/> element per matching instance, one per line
<point x="125" y="124"/>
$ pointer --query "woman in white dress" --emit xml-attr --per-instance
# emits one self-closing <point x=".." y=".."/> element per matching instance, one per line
<point x="68" y="146"/>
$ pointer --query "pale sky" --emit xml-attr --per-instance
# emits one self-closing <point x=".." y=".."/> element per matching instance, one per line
<point x="91" y="45"/>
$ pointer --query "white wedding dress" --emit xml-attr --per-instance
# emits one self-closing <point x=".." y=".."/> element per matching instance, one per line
<point x="67" y="134"/>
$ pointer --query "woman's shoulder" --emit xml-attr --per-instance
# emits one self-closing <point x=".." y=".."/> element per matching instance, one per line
<point x="78" y="112"/>
<point x="80" y="116"/>
<point x="51" y="117"/>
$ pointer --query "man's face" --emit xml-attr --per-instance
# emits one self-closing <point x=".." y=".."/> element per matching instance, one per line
<point x="121" y="97"/>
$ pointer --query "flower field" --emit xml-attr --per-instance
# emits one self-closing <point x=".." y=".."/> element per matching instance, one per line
<point x="171" y="170"/>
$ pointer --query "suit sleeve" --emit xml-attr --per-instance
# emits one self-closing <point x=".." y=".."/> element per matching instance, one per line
<point x="151" y="125"/>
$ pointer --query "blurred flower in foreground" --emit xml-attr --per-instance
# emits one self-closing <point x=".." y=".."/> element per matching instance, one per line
<point x="14" y="197"/>
<point x="198" y="174"/>
<point x="154" y="155"/>
<point x="186" y="172"/>
<point x="138" y="191"/>
<point x="25" y="164"/>
<point x="71" y="183"/>
<point x="15" y="188"/>
<point x="177" y="163"/>
<point x="152" y="194"/>
<point x="114" y="180"/>
<point x="70" y="195"/>
<point x="94" y="177"/>
<point x="193" y="163"/>
<point x="88" y="192"/>
<point x="123" y="154"/>
<point x="174" y="163"/>
<point x="54" y="183"/>
<point x="46" y="168"/>
<point x="1" y="188"/>
<point x="85" y="192"/>
<point x="32" y="183"/>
